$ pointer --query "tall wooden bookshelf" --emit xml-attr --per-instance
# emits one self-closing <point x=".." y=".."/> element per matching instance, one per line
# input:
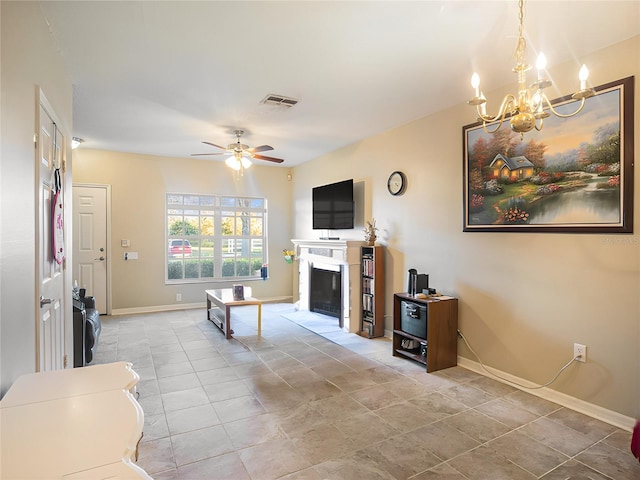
<point x="372" y="289"/>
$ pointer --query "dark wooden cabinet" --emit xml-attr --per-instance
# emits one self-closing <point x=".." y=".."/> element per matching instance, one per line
<point x="440" y="334"/>
<point x="372" y="291"/>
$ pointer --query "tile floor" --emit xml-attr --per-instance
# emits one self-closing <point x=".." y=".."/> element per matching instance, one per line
<point x="294" y="405"/>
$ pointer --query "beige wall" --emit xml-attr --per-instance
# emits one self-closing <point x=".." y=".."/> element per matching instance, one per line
<point x="24" y="30"/>
<point x="138" y="187"/>
<point x="524" y="298"/>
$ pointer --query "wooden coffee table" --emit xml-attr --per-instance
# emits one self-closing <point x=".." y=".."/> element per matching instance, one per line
<point x="223" y="299"/>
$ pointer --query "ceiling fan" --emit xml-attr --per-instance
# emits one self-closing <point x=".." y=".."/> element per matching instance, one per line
<point x="240" y="153"/>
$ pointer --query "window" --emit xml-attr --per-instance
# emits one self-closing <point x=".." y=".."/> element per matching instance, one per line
<point x="214" y="237"/>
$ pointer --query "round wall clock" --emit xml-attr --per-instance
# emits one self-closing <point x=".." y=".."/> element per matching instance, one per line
<point x="397" y="183"/>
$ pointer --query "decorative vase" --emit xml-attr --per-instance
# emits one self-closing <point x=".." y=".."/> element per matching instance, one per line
<point x="370" y="232"/>
<point x="288" y="258"/>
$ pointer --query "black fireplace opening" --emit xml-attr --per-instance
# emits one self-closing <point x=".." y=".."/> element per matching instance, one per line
<point x="325" y="292"/>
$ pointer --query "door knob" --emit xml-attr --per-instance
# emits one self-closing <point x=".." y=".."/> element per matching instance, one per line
<point x="44" y="301"/>
<point x="99" y="258"/>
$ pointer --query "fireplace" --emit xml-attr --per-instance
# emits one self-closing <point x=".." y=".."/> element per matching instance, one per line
<point x="337" y="263"/>
<point x="325" y="290"/>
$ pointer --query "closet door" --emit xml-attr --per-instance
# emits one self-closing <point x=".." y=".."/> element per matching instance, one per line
<point x="50" y="301"/>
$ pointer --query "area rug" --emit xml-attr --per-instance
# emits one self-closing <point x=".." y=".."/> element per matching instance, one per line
<point x="316" y="322"/>
<point x="328" y="327"/>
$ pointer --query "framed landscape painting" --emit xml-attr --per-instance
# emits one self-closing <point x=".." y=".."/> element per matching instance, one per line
<point x="575" y="175"/>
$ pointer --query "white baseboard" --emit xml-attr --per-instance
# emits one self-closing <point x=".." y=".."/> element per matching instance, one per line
<point x="609" y="416"/>
<point x="157" y="308"/>
<point x="183" y="306"/>
<point x="285" y="299"/>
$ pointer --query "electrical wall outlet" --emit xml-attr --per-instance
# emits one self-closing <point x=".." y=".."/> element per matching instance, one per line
<point x="580" y="351"/>
<point x="178" y="297"/>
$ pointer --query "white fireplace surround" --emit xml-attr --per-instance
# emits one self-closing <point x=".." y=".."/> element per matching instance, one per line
<point x="327" y="255"/>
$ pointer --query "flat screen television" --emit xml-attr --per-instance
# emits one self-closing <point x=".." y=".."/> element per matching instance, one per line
<point x="333" y="207"/>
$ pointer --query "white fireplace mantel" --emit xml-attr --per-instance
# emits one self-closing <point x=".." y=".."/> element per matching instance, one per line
<point x="345" y="253"/>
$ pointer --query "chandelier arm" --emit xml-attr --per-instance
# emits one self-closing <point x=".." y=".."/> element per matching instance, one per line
<point x="538" y="128"/>
<point x="484" y="126"/>
<point x="507" y="105"/>
<point x="563" y="115"/>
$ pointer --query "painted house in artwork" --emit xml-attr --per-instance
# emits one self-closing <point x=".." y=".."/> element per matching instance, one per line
<point x="513" y="168"/>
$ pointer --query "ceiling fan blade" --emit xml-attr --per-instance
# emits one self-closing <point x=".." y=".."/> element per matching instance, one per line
<point x="197" y="154"/>
<point x="261" y="148"/>
<point x="268" y="159"/>
<point x="214" y="145"/>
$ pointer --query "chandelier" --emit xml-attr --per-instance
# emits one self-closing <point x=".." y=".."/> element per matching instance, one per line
<point x="526" y="110"/>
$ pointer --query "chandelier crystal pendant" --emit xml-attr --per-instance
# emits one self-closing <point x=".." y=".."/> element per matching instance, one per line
<point x="527" y="109"/>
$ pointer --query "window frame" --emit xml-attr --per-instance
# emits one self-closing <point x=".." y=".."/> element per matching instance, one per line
<point x="241" y="208"/>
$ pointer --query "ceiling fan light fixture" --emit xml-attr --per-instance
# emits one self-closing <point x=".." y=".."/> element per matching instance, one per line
<point x="242" y="154"/>
<point x="233" y="163"/>
<point x="75" y="142"/>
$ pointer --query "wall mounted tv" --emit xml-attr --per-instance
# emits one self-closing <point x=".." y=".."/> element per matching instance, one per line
<point x="333" y="206"/>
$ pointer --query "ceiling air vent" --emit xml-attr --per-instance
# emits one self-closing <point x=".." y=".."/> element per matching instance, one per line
<point x="279" y="100"/>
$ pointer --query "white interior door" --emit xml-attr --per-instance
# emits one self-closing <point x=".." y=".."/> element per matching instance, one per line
<point x="90" y="245"/>
<point x="50" y="328"/>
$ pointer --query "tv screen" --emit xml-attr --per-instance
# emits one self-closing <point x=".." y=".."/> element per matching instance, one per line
<point x="333" y="206"/>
